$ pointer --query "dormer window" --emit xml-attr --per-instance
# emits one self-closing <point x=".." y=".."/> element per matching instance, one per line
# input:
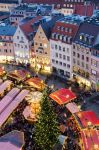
<point x="62" y="28"/>
<point x="58" y="28"/>
<point x="66" y="29"/>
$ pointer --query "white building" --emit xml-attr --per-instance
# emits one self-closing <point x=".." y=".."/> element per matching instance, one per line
<point x="7" y="53"/>
<point x="61" y="46"/>
<point x="6" y="5"/>
<point x="23" y="40"/>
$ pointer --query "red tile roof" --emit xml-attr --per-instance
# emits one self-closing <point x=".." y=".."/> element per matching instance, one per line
<point x="27" y="27"/>
<point x="55" y="2"/>
<point x="65" y="25"/>
<point x="84" y="10"/>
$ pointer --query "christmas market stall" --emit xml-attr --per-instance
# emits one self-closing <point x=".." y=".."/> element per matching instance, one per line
<point x="13" y="140"/>
<point x="33" y="108"/>
<point x="5" y="86"/>
<point x="7" y="111"/>
<point x="89" y="139"/>
<point x="82" y="120"/>
<point x="2" y="71"/>
<point x="36" y="83"/>
<point x="19" y="75"/>
<point x="63" y="96"/>
<point x="72" y="107"/>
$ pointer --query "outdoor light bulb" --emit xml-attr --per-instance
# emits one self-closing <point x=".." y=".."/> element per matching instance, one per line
<point x="96" y="146"/>
<point x="89" y="123"/>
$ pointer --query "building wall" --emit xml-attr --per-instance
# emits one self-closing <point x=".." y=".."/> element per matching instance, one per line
<point x="6" y="7"/>
<point x="82" y="63"/>
<point x="66" y="11"/>
<point x="6" y="49"/>
<point x="61" y="58"/>
<point x="21" y="47"/>
<point x="41" y="48"/>
<point x="95" y="68"/>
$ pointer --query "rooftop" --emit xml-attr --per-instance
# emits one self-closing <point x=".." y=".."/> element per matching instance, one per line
<point x="73" y="19"/>
<point x="9" y="1"/>
<point x="7" y="30"/>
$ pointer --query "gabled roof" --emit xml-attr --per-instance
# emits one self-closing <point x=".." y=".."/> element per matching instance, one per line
<point x="89" y="29"/>
<point x="28" y="28"/>
<point x="48" y="26"/>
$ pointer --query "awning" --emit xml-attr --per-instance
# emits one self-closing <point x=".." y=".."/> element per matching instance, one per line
<point x="90" y="139"/>
<point x="72" y="107"/>
<point x="87" y="118"/>
<point x="63" y="96"/>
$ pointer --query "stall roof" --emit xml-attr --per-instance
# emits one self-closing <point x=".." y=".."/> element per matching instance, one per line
<point x="86" y="118"/>
<point x="63" y="96"/>
<point x="12" y="106"/>
<point x="19" y="74"/>
<point x="90" y="139"/>
<point x="12" y="141"/>
<point x="72" y="107"/>
<point x="4" y="86"/>
<point x="36" y="83"/>
<point x="8" y="99"/>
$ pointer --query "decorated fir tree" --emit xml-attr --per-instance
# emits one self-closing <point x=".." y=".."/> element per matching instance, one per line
<point x="46" y="128"/>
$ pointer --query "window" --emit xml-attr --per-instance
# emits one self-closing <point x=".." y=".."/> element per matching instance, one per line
<point x="53" y="60"/>
<point x="17" y="37"/>
<point x="60" y="55"/>
<point x="82" y="57"/>
<point x="67" y="50"/>
<point x="55" y="46"/>
<point x="10" y="50"/>
<point x="68" y="58"/>
<point x="5" y="50"/>
<point x="64" y="64"/>
<point x="78" y="63"/>
<point x="60" y="63"/>
<point x="56" y="54"/>
<point x="40" y="44"/>
<point x="63" y="49"/>
<point x="59" y="47"/>
<point x="45" y="52"/>
<point x="73" y="46"/>
<point x="64" y="57"/>
<point x="87" y="59"/>
<point x="68" y="65"/>
<point x="82" y="64"/>
<point x="74" y="53"/>
<point x="78" y="55"/>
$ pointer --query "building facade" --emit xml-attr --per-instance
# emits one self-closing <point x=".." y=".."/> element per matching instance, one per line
<point x="95" y="67"/>
<point x="42" y="44"/>
<point x="7" y="53"/>
<point x="7" y="5"/>
<point x="61" y="45"/>
<point x="84" y="40"/>
<point x="23" y="40"/>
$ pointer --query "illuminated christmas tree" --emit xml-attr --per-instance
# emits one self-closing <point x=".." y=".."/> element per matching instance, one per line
<point x="46" y="128"/>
